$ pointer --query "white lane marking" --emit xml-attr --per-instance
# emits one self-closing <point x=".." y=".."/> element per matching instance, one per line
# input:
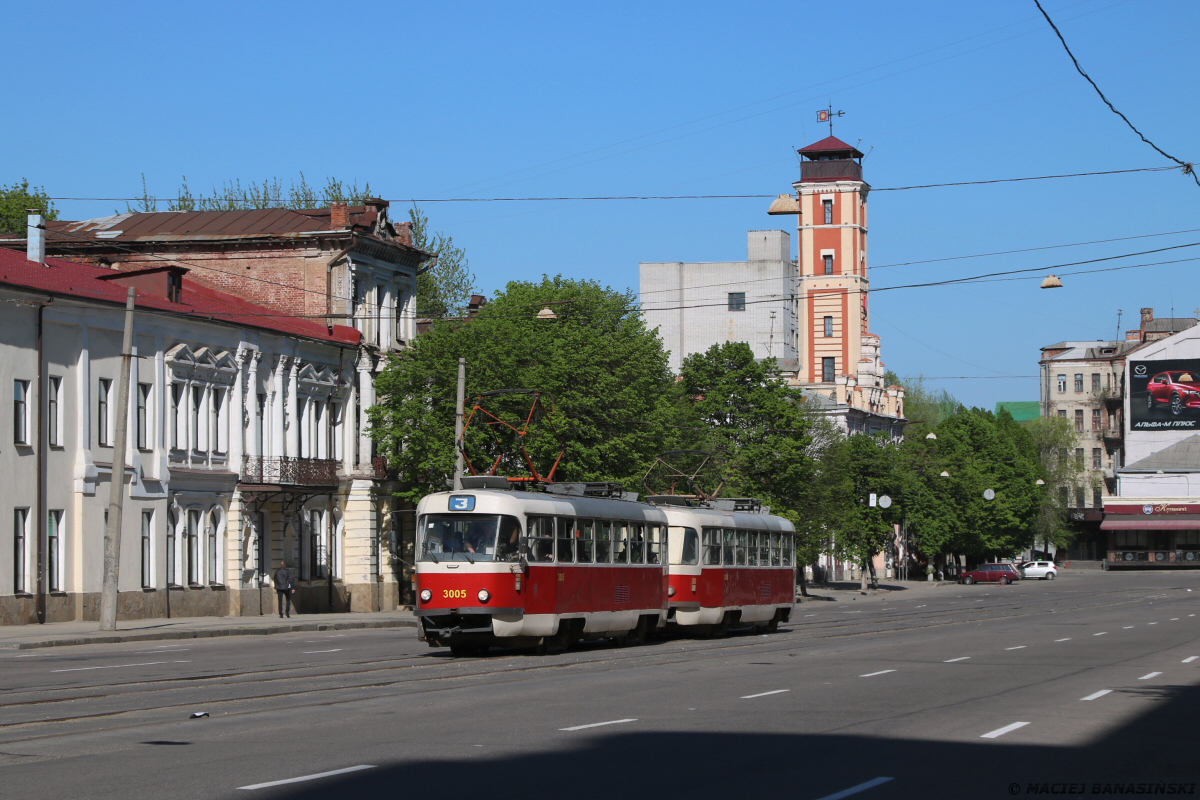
<point x="181" y="662"/>
<point x="1149" y="675"/>
<point x="1151" y="623"/>
<point x="1001" y="731"/>
<point x="113" y="666"/>
<point x="1101" y="633"/>
<point x="1018" y="647"/>
<point x="1191" y="615"/>
<point x="924" y="606"/>
<point x="1126" y="627"/>
<point x="1173" y="619"/>
<point x="309" y="777"/>
<point x="1189" y="659"/>
<point x="764" y="694"/>
<point x="862" y="787"/>
<point x="598" y="724"/>
<point x="952" y="660"/>
<point x="873" y="674"/>
<point x="1097" y="695"/>
<point x="1063" y="640"/>
<point x="810" y="615"/>
<point x="310" y="652"/>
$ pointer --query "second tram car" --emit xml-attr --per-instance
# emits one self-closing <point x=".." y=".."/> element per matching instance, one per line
<point x="518" y="568"/>
<point x="730" y="565"/>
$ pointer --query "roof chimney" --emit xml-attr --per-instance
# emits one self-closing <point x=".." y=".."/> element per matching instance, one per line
<point x="35" y="240"/>
<point x="339" y="216"/>
<point x="1147" y="316"/>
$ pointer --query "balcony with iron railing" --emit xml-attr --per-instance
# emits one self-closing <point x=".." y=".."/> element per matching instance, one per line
<point x="290" y="471"/>
<point x="832" y="170"/>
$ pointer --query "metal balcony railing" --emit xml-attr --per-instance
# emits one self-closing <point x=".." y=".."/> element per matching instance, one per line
<point x="288" y="471"/>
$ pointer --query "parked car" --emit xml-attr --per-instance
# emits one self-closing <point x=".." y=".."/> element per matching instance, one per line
<point x="1046" y="570"/>
<point x="991" y="573"/>
<point x="1180" y="390"/>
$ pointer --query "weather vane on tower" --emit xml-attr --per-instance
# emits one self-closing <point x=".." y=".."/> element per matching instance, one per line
<point x="827" y="115"/>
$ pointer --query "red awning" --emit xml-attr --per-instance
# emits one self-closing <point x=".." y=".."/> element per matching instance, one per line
<point x="1151" y="523"/>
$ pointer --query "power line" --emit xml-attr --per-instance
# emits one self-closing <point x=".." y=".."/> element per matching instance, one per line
<point x="666" y="197"/>
<point x="1187" y="166"/>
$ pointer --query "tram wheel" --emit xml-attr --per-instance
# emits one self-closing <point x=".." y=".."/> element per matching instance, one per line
<point x="637" y="636"/>
<point x="773" y="625"/>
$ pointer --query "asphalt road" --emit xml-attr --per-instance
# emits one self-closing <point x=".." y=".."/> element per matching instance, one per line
<point x="960" y="692"/>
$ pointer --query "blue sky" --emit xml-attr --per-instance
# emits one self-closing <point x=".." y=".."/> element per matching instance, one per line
<point x="441" y="100"/>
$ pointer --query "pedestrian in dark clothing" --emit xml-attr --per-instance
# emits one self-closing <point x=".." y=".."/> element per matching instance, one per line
<point x="283" y="586"/>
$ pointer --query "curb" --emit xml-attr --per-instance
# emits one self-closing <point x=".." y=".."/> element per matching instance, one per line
<point x="207" y="633"/>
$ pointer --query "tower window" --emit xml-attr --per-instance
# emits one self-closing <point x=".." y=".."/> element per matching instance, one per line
<point x="737" y="301"/>
<point x="828" y="259"/>
<point x="829" y="327"/>
<point x="827" y="369"/>
<point x="1078" y="381"/>
<point x="827" y="205"/>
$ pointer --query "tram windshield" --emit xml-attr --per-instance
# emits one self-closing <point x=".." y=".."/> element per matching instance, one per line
<point x="468" y="537"/>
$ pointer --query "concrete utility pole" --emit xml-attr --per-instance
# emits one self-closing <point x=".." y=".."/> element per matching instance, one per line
<point x="458" y="423"/>
<point x="116" y="496"/>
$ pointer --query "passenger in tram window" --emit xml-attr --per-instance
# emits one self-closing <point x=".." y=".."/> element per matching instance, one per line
<point x="637" y="543"/>
<point x="774" y="549"/>
<point x="730" y="538"/>
<point x="566" y="539"/>
<point x="653" y="544"/>
<point x="741" y="548"/>
<point x="583" y="540"/>
<point x="751" y="548"/>
<point x="541" y="539"/>
<point x="690" y="552"/>
<point x="480" y="536"/>
<point x="603" y="541"/>
<point x="712" y="547"/>
<point x="510" y="535"/>
<point x="788" y="540"/>
<point x="764" y="549"/>
<point x="620" y="542"/>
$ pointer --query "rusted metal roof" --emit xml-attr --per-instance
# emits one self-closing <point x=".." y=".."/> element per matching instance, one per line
<point x="191" y="225"/>
<point x="72" y="279"/>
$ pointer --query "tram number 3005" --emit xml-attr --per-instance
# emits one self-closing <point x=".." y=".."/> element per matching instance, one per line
<point x="454" y="594"/>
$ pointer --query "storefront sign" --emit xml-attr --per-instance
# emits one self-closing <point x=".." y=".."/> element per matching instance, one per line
<point x="1154" y="508"/>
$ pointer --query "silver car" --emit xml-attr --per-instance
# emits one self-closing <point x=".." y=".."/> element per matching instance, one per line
<point x="1045" y="570"/>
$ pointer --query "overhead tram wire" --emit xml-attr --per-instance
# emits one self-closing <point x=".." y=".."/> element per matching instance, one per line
<point x="673" y="197"/>
<point x="1187" y="166"/>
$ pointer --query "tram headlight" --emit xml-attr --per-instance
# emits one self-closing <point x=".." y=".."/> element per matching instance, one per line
<point x="484" y="595"/>
<point x="670" y="591"/>
<point x="426" y="595"/>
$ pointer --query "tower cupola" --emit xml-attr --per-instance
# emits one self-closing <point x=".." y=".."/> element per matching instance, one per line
<point x="830" y="159"/>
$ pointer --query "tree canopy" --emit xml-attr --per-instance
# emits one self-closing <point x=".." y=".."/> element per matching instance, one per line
<point x="15" y="202"/>
<point x="445" y="290"/>
<point x="604" y="374"/>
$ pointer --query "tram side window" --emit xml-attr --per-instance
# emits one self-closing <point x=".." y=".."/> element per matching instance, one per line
<point x="584" y="536"/>
<point x="741" y="548"/>
<point x="788" y="541"/>
<point x="603" y="541"/>
<point x="637" y="543"/>
<point x="712" y="547"/>
<point x="566" y="539"/>
<point x="620" y="542"/>
<point x="751" y="548"/>
<point x="775" y="550"/>
<point x="730" y="539"/>
<point x="654" y="544"/>
<point x="540" y="539"/>
<point x="684" y="546"/>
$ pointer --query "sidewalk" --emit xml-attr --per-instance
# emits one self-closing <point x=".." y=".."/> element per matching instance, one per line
<point x="834" y="590"/>
<point x="61" y="634"/>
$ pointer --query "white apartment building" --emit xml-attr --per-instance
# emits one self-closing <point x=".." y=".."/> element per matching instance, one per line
<point x="245" y="446"/>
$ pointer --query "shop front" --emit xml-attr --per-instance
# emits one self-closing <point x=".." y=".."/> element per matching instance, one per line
<point x="1152" y="534"/>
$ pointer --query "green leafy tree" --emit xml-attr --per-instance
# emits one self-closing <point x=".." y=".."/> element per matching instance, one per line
<point x="1054" y="439"/>
<point x="605" y="374"/>
<point x="15" y="202"/>
<point x="758" y="425"/>
<point x="445" y="290"/>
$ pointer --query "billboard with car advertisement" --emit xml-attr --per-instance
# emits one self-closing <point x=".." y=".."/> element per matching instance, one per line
<point x="1164" y="395"/>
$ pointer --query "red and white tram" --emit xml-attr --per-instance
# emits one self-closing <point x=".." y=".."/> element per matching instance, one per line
<point x="730" y="564"/>
<point x="538" y="568"/>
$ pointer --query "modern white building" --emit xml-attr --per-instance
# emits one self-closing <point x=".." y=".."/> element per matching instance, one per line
<point x="245" y="446"/>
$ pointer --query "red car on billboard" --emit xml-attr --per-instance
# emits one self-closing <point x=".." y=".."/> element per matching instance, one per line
<point x="1178" y="389"/>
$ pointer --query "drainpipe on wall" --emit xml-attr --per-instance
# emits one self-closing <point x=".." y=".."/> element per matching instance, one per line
<point x="40" y="504"/>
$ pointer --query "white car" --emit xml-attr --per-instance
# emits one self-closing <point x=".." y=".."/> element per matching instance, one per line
<point x="1039" y="569"/>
